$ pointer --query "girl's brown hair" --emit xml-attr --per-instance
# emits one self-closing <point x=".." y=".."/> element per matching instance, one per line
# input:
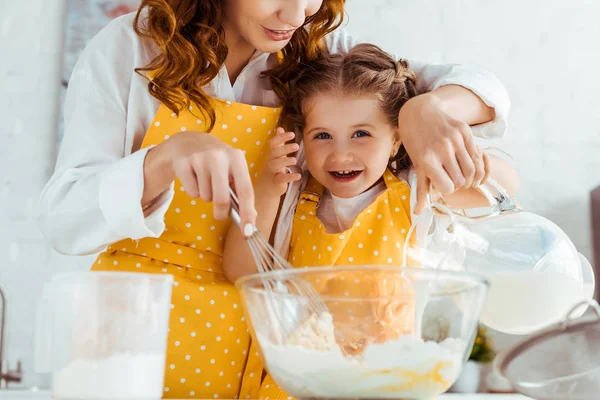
<point x="191" y="40"/>
<point x="364" y="70"/>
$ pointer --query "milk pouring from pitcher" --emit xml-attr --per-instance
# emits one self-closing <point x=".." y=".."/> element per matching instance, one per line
<point x="535" y="271"/>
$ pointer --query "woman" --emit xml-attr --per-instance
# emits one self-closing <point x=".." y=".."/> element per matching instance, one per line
<point x="166" y="107"/>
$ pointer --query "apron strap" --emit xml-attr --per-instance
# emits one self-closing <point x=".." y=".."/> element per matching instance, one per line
<point x="280" y="56"/>
<point x="391" y="180"/>
<point x="310" y="197"/>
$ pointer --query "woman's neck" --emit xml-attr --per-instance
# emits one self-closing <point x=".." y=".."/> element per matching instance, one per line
<point x="239" y="52"/>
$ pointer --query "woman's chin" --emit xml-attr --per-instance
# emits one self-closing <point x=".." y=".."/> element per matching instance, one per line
<point x="270" y="46"/>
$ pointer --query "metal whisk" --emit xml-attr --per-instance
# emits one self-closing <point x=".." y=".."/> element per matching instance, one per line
<point x="267" y="259"/>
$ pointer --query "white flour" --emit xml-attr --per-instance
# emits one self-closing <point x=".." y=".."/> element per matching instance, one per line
<point x="312" y="366"/>
<point x="120" y="377"/>
<point x="315" y="333"/>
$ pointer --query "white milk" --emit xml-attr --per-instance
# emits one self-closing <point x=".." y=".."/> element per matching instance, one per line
<point x="522" y="302"/>
<point x="119" y="377"/>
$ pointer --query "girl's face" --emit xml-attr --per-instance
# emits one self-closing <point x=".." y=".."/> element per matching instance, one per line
<point x="348" y="142"/>
<point x="268" y="25"/>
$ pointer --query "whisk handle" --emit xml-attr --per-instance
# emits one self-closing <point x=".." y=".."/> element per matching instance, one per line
<point x="235" y="209"/>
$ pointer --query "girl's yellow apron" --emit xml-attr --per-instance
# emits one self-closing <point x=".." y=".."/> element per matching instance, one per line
<point x="209" y="352"/>
<point x="376" y="238"/>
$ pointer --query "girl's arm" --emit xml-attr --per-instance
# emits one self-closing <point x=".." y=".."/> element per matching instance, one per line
<point x="271" y="185"/>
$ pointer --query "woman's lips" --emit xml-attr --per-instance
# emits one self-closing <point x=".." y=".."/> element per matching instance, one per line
<point x="279" y="35"/>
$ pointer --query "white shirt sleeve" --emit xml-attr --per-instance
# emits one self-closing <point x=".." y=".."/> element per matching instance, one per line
<point x="431" y="76"/>
<point x="94" y="196"/>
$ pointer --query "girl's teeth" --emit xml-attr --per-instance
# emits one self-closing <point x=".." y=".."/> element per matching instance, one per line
<point x="344" y="173"/>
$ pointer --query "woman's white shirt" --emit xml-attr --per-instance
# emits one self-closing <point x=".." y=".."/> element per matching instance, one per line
<point x="93" y="198"/>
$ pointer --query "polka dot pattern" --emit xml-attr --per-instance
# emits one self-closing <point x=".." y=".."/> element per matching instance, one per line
<point x="209" y="353"/>
<point x="372" y="239"/>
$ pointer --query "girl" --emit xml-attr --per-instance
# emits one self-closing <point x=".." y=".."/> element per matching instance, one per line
<point x="346" y="107"/>
<point x="355" y="208"/>
<point x="164" y="107"/>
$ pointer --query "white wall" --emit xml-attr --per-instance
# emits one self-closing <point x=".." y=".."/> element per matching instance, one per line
<point x="31" y="54"/>
<point x="547" y="55"/>
<point x="544" y="51"/>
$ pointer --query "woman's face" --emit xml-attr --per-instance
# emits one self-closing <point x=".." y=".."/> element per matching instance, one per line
<point x="268" y="25"/>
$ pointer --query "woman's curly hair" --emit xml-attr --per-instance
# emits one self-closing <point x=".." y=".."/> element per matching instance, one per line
<point x="191" y="40"/>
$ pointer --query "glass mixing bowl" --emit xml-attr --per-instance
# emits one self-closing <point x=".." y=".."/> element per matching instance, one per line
<point x="389" y="332"/>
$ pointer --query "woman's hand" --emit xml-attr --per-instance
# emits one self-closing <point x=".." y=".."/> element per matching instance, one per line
<point x="206" y="167"/>
<point x="442" y="148"/>
<point x="275" y="177"/>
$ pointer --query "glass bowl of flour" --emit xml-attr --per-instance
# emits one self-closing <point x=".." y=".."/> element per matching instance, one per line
<point x="103" y="335"/>
<point x="389" y="332"/>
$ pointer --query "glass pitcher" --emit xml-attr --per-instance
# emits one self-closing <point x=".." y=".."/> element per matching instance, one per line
<point x="103" y="335"/>
<point x="535" y="272"/>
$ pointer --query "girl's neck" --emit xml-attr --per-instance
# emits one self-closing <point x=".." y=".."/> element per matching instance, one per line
<point x="239" y="52"/>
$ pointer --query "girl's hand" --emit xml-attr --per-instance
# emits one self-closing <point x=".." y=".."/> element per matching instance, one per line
<point x="441" y="147"/>
<point x="275" y="176"/>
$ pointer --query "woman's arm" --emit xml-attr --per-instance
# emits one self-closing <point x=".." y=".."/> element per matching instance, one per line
<point x="103" y="190"/>
<point x="435" y="126"/>
<point x="94" y="196"/>
<point x="463" y="104"/>
<point x="473" y="82"/>
<point x="430" y="77"/>
<point x="434" y="129"/>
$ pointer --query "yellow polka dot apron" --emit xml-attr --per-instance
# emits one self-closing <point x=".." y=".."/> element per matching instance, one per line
<point x="376" y="238"/>
<point x="209" y="352"/>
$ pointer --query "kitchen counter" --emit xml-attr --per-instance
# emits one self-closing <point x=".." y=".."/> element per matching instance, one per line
<point x="483" y="396"/>
<point x="45" y="395"/>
